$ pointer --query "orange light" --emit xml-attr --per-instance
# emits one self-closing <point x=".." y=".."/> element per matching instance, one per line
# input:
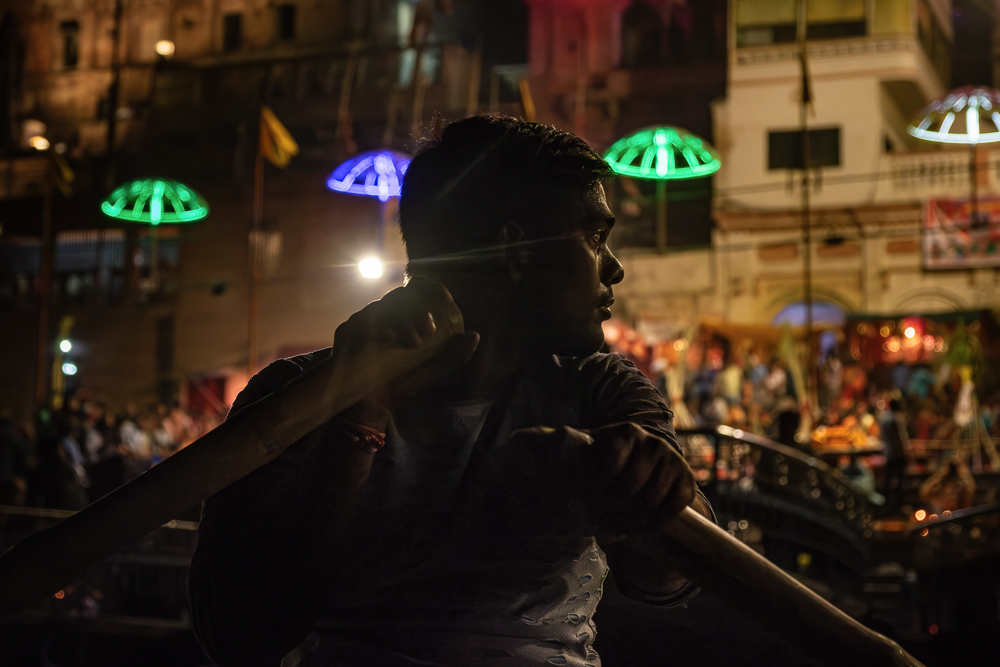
<point x="933" y="517"/>
<point x="923" y="533"/>
<point x="910" y="332"/>
<point x="59" y="595"/>
<point x="612" y="332"/>
<point x="679" y="345"/>
<point x="920" y="515"/>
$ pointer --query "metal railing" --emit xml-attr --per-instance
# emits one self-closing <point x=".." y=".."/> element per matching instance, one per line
<point x="788" y="494"/>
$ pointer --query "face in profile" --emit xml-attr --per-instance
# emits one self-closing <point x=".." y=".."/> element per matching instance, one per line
<point x="566" y="290"/>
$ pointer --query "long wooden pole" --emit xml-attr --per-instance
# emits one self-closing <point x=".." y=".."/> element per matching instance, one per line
<point x="766" y="595"/>
<point x="46" y="561"/>
<point x="255" y="241"/>
<point x="45" y="294"/>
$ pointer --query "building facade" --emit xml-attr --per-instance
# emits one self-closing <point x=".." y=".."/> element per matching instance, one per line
<point x="124" y="89"/>
<point x="871" y="67"/>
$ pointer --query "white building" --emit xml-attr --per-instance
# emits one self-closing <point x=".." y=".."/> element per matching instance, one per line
<point x="873" y="65"/>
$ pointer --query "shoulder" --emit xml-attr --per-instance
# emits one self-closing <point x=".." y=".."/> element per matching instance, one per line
<point x="274" y="376"/>
<point x="606" y="377"/>
<point x="611" y="389"/>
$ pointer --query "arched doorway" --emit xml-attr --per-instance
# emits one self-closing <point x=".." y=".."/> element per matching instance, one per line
<point x="823" y="313"/>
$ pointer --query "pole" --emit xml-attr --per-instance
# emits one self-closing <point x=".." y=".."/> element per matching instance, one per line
<point x="475" y="74"/>
<point x="113" y="91"/>
<point x="807" y="251"/>
<point x="154" y="259"/>
<point x="974" y="203"/>
<point x="255" y="242"/>
<point x="45" y="296"/>
<point x="804" y="99"/>
<point x="661" y="216"/>
<point x="50" y="559"/>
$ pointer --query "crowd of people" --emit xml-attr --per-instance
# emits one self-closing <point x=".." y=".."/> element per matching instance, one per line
<point x="67" y="458"/>
<point x="889" y="421"/>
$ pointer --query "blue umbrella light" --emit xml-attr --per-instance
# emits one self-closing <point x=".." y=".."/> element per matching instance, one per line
<point x="374" y="174"/>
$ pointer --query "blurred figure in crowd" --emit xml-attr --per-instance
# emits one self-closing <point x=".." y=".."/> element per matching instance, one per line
<point x="897" y="452"/>
<point x="950" y="488"/>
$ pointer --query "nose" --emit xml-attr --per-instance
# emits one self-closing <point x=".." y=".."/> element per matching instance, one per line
<point x="612" y="272"/>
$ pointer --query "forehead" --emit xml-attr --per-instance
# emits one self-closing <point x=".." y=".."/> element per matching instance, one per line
<point x="583" y="208"/>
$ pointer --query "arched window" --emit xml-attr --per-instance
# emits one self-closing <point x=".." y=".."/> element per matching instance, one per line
<point x="642" y="31"/>
<point x="823" y="312"/>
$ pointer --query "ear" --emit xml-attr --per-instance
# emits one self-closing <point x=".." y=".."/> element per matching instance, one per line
<point x="515" y="252"/>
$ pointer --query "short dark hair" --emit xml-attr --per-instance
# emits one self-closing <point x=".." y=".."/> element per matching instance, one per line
<point x="481" y="172"/>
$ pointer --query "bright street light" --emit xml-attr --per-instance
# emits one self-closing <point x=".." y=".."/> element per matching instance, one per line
<point x="370" y="268"/>
<point x="165" y="48"/>
<point x="39" y="143"/>
<point x="65" y="345"/>
<point x="69" y="368"/>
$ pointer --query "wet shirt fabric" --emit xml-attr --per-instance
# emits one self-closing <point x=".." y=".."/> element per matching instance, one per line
<point x="442" y="569"/>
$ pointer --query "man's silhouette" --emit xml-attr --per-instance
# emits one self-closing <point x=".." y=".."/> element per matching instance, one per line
<point x="433" y="523"/>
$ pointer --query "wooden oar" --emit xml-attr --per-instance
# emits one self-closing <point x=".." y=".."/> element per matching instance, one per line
<point x="48" y="560"/>
<point x="767" y="596"/>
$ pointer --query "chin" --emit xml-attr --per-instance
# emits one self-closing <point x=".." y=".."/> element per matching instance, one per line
<point x="579" y="345"/>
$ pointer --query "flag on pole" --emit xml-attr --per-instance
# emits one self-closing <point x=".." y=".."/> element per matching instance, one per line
<point x="807" y="94"/>
<point x="61" y="173"/>
<point x="276" y="143"/>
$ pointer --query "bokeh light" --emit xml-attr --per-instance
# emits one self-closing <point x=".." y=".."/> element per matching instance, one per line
<point x="370" y="268"/>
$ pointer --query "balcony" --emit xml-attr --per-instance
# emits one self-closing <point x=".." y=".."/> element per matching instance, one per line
<point x="946" y="174"/>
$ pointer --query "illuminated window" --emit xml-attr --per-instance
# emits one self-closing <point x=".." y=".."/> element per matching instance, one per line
<point x="286" y="22"/>
<point x="232" y="32"/>
<point x="784" y="149"/>
<point x="70" y="31"/>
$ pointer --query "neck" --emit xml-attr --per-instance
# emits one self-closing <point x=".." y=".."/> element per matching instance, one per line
<point x="501" y="353"/>
<point x="498" y="357"/>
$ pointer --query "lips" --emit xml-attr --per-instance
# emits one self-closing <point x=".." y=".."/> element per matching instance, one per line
<point x="605" y="309"/>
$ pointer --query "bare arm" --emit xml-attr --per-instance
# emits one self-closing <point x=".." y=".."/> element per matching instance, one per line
<point x="273" y="544"/>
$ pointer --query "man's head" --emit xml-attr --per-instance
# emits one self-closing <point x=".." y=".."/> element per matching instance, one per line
<point x="512" y="217"/>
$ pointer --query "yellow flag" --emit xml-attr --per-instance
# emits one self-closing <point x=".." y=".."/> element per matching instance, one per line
<point x="62" y="174"/>
<point x="276" y="144"/>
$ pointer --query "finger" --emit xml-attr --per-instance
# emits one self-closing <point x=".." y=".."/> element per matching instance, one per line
<point x="658" y="487"/>
<point x="614" y="447"/>
<point x="626" y="485"/>
<point x="406" y="335"/>
<point x="424" y="324"/>
<point x="434" y="296"/>
<point x="682" y="493"/>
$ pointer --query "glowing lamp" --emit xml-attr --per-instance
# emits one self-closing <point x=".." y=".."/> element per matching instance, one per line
<point x="69" y="368"/>
<point x="374" y="174"/>
<point x="155" y="201"/>
<point x="39" y="143"/>
<point x="663" y="152"/>
<point x="165" y="48"/>
<point x="968" y="116"/>
<point x="370" y="268"/>
<point x="65" y="346"/>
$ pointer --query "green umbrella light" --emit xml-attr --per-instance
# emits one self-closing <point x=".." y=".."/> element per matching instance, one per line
<point x="155" y="201"/>
<point x="663" y="153"/>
